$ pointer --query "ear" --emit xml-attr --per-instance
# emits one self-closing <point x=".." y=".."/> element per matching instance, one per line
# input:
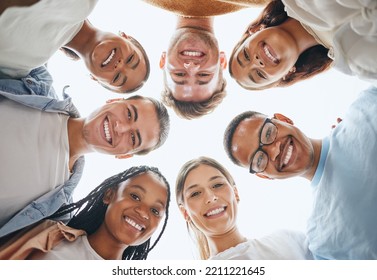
<point x="123" y="35"/>
<point x="109" y="194"/>
<point x="93" y="78"/>
<point x="114" y="100"/>
<point x="283" y="118"/>
<point x="236" y="193"/>
<point x="263" y="176"/>
<point x="162" y="60"/>
<point x="123" y="156"/>
<point x="223" y="61"/>
<point x="254" y="29"/>
<point x="183" y="211"/>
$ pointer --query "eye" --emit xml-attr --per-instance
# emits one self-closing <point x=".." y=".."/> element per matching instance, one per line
<point x="133" y="139"/>
<point x="155" y="212"/>
<point x="245" y="53"/>
<point x="260" y="159"/>
<point x="179" y="74"/>
<point x="194" y="194"/>
<point x="260" y="74"/>
<point x="129" y="115"/>
<point x="203" y="74"/>
<point x="130" y="58"/>
<point x="116" y="78"/>
<point x="135" y="197"/>
<point x="268" y="134"/>
<point x="217" y="185"/>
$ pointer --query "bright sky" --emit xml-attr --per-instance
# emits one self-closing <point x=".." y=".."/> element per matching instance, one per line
<point x="265" y="205"/>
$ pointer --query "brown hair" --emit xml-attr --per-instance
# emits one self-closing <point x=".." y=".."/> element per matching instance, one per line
<point x="311" y="62"/>
<point x="201" y="240"/>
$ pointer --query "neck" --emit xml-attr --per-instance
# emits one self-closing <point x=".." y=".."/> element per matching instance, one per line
<point x="304" y="39"/>
<point x="84" y="40"/>
<point x="77" y="143"/>
<point x="317" y="147"/>
<point x="220" y="243"/>
<point x="195" y="22"/>
<point x="106" y="247"/>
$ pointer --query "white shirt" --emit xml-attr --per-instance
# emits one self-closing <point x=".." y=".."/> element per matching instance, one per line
<point x="34" y="152"/>
<point x="78" y="249"/>
<point x="31" y="35"/>
<point x="280" y="245"/>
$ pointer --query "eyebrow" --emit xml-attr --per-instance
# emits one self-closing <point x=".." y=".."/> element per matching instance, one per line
<point x="136" y="64"/>
<point x="142" y="189"/>
<point x="252" y="78"/>
<point x="139" y="137"/>
<point x="185" y="82"/>
<point x="135" y="112"/>
<point x="210" y="179"/>
<point x="239" y="61"/>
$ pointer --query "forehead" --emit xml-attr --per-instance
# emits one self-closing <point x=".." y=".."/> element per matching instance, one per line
<point x="148" y="183"/>
<point x="202" y="174"/>
<point x="245" y="138"/>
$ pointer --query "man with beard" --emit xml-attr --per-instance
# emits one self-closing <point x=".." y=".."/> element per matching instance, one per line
<point x="341" y="168"/>
<point x="193" y="65"/>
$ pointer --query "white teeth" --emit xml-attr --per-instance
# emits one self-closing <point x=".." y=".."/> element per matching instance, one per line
<point x="288" y="155"/>
<point x="109" y="58"/>
<point x="132" y="223"/>
<point x="216" y="211"/>
<point x="107" y="131"/>
<point x="192" y="53"/>
<point x="269" y="55"/>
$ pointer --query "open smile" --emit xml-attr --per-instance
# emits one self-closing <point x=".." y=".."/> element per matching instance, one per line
<point x="215" y="212"/>
<point x="134" y="224"/>
<point x="286" y="157"/>
<point x="269" y="54"/>
<point x="107" y="132"/>
<point x="109" y="58"/>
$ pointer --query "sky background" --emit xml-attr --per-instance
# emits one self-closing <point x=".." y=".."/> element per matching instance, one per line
<point x="266" y="205"/>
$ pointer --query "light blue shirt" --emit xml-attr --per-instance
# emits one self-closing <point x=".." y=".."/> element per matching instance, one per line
<point x="36" y="91"/>
<point x="343" y="224"/>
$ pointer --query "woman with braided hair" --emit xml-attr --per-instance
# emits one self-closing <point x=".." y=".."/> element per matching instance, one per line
<point x="115" y="221"/>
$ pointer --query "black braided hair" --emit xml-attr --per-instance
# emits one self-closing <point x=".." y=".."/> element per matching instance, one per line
<point x="90" y="211"/>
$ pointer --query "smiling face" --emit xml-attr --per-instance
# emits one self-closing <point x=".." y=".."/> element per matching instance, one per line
<point x="209" y="200"/>
<point x="122" y="127"/>
<point x="193" y="65"/>
<point x="135" y="209"/>
<point x="118" y="63"/>
<point x="264" y="58"/>
<point x="291" y="154"/>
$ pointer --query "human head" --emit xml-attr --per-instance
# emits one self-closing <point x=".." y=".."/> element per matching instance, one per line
<point x="123" y="127"/>
<point x="203" y="186"/>
<point x="193" y="72"/>
<point x="91" y="212"/>
<point x="117" y="62"/>
<point x="287" y="65"/>
<point x="290" y="154"/>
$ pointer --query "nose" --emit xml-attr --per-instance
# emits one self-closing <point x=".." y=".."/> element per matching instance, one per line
<point x="117" y="63"/>
<point x="211" y="197"/>
<point x="191" y="66"/>
<point x="121" y="127"/>
<point x="273" y="150"/>
<point x="142" y="212"/>
<point x="258" y="61"/>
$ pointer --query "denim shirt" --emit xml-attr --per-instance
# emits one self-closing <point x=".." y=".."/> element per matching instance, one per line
<point x="36" y="91"/>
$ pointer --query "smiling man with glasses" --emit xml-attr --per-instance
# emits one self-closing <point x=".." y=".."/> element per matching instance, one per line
<point x="341" y="168"/>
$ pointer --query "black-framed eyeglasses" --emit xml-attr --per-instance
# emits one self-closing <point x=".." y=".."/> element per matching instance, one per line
<point x="267" y="136"/>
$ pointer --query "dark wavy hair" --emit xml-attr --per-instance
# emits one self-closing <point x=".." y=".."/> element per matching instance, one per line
<point x="90" y="211"/>
<point x="311" y="62"/>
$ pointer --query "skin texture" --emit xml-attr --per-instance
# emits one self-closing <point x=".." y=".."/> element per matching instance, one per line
<point x="193" y="78"/>
<point x="134" y="212"/>
<point x="132" y="124"/>
<point x="267" y="55"/>
<point x="305" y="151"/>
<point x="206" y="189"/>
<point x="123" y="69"/>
